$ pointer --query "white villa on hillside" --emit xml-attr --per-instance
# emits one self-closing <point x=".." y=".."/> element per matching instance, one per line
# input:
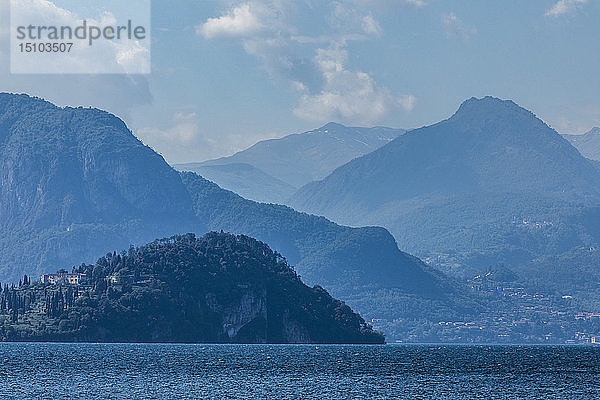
<point x="62" y="277"/>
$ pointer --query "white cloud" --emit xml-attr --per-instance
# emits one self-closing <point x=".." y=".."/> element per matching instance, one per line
<point x="331" y="61"/>
<point x="407" y="102"/>
<point x="131" y="54"/>
<point x="183" y="131"/>
<point x="416" y="3"/>
<point x="391" y="3"/>
<point x="4" y="20"/>
<point x="240" y="21"/>
<point x="370" y="26"/>
<point x="185" y="141"/>
<point x="181" y="138"/>
<point x="455" y="27"/>
<point x="564" y="7"/>
<point x="326" y="88"/>
<point x="112" y="56"/>
<point x="351" y="23"/>
<point x="74" y="90"/>
<point x="348" y="96"/>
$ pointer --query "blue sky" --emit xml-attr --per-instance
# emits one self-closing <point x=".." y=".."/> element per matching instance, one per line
<point x="228" y="73"/>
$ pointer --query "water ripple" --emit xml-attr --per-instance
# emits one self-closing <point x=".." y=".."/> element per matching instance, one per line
<point x="161" y="371"/>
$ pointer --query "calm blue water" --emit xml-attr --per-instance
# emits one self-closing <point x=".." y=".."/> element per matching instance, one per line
<point x="134" y="371"/>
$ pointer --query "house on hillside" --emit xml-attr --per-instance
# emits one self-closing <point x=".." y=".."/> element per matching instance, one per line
<point x="62" y="278"/>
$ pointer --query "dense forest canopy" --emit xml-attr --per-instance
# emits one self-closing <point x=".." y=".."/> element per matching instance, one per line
<point x="218" y="288"/>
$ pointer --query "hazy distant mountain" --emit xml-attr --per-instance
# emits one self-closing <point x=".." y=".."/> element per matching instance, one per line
<point x="588" y="144"/>
<point x="294" y="160"/>
<point x="75" y="183"/>
<point x="493" y="183"/>
<point x="246" y="180"/>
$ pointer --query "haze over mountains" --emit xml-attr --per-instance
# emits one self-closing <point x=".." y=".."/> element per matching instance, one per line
<point x="271" y="170"/>
<point x="588" y="144"/>
<point x="75" y="183"/>
<point x="492" y="184"/>
<point x="245" y="180"/>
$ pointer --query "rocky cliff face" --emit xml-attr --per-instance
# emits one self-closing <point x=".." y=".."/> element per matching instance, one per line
<point x="293" y="331"/>
<point x="251" y="307"/>
<point x="62" y="166"/>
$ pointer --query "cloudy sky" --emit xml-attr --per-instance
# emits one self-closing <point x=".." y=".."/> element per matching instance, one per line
<point x="228" y="73"/>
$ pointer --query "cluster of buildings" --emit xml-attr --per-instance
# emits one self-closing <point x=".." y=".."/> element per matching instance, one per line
<point x="586" y="316"/>
<point x="66" y="278"/>
<point x="584" y="338"/>
<point x="516" y="315"/>
<point x="63" y="278"/>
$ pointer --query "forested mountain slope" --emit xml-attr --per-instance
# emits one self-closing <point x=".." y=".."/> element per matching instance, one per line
<point x="491" y="184"/>
<point x="218" y="288"/>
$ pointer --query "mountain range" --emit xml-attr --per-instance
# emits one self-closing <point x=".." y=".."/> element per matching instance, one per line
<point x="272" y="170"/>
<point x="492" y="184"/>
<point x="75" y="183"/>
<point x="491" y="196"/>
<point x="588" y="144"/>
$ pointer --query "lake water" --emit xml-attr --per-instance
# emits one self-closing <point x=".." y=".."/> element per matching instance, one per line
<point x="159" y="371"/>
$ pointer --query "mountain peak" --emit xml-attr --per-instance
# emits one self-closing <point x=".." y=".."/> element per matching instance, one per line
<point x="7" y="99"/>
<point x="488" y="101"/>
<point x="330" y="126"/>
<point x="488" y="106"/>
